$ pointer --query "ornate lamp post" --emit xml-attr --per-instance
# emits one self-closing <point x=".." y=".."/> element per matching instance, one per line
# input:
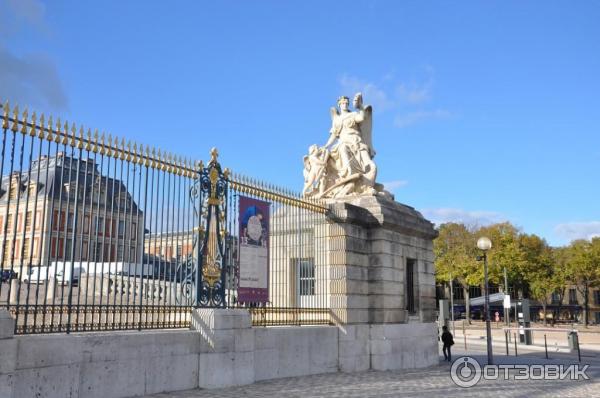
<point x="484" y="244"/>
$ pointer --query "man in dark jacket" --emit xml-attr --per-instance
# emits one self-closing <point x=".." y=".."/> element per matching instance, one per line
<point x="448" y="341"/>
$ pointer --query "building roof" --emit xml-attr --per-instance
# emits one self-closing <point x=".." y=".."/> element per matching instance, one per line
<point x="46" y="173"/>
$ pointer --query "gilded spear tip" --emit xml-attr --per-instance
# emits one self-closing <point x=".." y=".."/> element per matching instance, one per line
<point x="80" y="140"/>
<point x="42" y="126"/>
<point x="73" y="141"/>
<point x="5" y="115"/>
<point x="24" y="122"/>
<point x="15" y="123"/>
<point x="34" y="124"/>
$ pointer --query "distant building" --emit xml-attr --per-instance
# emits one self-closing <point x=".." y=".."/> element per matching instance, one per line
<point x="38" y="208"/>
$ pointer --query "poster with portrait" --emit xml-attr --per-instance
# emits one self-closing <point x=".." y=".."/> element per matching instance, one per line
<point x="254" y="251"/>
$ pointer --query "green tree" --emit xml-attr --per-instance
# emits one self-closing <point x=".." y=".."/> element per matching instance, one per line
<point x="455" y="258"/>
<point x="506" y="252"/>
<point x="584" y="270"/>
<point x="560" y="278"/>
<point x="538" y="269"/>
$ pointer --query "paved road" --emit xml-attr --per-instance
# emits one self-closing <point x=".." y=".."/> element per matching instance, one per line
<point x="431" y="382"/>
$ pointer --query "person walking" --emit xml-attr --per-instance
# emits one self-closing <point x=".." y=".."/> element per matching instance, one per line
<point x="448" y="341"/>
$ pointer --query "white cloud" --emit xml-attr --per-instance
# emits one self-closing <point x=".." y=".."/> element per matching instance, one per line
<point x="28" y="79"/>
<point x="405" y="99"/>
<point x="477" y="217"/>
<point x="31" y="79"/>
<point x="411" y="118"/>
<point x="371" y="91"/>
<point x="578" y="230"/>
<point x="393" y="185"/>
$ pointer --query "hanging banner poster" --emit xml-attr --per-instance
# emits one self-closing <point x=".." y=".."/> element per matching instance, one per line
<point x="254" y="251"/>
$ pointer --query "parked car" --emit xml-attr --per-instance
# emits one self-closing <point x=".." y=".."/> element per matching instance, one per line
<point x="8" y="274"/>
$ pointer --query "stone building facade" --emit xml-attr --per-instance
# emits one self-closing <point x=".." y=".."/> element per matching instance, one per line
<point x="38" y="208"/>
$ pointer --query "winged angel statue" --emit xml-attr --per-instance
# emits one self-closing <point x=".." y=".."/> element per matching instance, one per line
<point x="344" y="165"/>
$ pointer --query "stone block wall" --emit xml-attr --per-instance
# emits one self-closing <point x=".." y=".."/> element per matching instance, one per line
<point x="222" y="350"/>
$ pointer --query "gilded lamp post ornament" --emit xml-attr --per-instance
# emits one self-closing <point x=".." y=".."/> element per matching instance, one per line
<point x="344" y="166"/>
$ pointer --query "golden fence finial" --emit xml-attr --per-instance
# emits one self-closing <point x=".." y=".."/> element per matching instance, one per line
<point x="121" y="148"/>
<point x="5" y="115"/>
<point x="165" y="162"/>
<point x="49" y="136"/>
<point x="108" y="145"/>
<point x="214" y="154"/>
<point x="88" y="141"/>
<point x="73" y="140"/>
<point x="24" y="121"/>
<point x="57" y="128"/>
<point x="42" y="127"/>
<point x="147" y="159"/>
<point x="15" y="123"/>
<point x="128" y="156"/>
<point x="159" y="164"/>
<point x="80" y="140"/>
<point x="132" y="151"/>
<point x="101" y="148"/>
<point x="65" y="137"/>
<point x="140" y="155"/>
<point x="95" y="142"/>
<point x="34" y="125"/>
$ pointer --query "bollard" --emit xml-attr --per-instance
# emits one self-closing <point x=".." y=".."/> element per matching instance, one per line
<point x="14" y="291"/>
<point x="464" y="335"/>
<point x="578" y="350"/>
<point x="506" y="339"/>
<point x="546" y="345"/>
<point x="516" y="345"/>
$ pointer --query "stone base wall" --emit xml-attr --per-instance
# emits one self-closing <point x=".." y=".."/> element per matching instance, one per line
<point x="223" y="350"/>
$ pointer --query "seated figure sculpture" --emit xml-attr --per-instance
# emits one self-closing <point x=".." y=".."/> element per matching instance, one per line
<point x="344" y="166"/>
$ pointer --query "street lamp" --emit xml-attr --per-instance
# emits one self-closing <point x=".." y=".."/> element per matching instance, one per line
<point x="484" y="244"/>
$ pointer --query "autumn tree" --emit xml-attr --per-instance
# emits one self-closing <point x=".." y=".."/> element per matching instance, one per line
<point x="455" y="258"/>
<point x="584" y="270"/>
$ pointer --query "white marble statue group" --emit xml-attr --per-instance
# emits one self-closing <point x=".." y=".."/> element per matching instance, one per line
<point x="344" y="165"/>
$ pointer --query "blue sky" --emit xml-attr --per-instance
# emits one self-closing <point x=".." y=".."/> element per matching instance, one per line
<point x="483" y="111"/>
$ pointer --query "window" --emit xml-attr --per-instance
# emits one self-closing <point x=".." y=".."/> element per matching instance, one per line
<point x="133" y="231"/>
<point x="86" y="224"/>
<point x="121" y="228"/>
<point x="306" y="276"/>
<point x="68" y="248"/>
<point x="120" y="252"/>
<point x="98" y="225"/>
<point x="58" y="226"/>
<point x="28" y="219"/>
<point x="14" y="189"/>
<point x="98" y="252"/>
<point x="410" y="285"/>
<point x="70" y="221"/>
<point x="6" y="251"/>
<point x="555" y="298"/>
<point x="132" y="255"/>
<point x="572" y="296"/>
<point x="9" y="223"/>
<point x="84" y="251"/>
<point x="32" y="189"/>
<point x="597" y="297"/>
<point x="26" y="249"/>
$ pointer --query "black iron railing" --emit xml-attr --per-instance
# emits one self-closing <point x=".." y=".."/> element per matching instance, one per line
<point x="100" y="233"/>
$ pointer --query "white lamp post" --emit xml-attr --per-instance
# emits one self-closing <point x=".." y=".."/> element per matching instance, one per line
<point x="484" y="244"/>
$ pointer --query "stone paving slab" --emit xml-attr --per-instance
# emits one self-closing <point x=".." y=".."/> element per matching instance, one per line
<point x="431" y="382"/>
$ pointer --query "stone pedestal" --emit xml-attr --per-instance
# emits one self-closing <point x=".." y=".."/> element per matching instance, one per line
<point x="226" y="347"/>
<point x="8" y="354"/>
<point x="372" y="241"/>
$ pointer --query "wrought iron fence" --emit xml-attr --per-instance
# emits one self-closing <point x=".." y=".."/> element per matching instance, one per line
<point x="100" y="233"/>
